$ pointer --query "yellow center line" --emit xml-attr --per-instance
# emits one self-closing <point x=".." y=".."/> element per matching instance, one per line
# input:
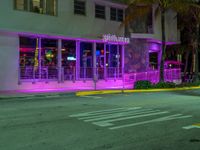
<point x="198" y="124"/>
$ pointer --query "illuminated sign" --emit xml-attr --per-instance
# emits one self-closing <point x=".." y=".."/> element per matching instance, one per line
<point x="114" y="38"/>
<point x="71" y="58"/>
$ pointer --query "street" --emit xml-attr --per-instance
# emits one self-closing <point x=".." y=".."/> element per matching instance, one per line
<point x="133" y="121"/>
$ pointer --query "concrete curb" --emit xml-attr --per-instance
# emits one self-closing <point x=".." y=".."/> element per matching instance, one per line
<point x="102" y="92"/>
<point x="34" y="95"/>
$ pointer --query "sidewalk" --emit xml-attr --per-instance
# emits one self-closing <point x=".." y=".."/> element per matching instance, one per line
<point x="76" y="92"/>
<point x="40" y="92"/>
<point x="34" y="93"/>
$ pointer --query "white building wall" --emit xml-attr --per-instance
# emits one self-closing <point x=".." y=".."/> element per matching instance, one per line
<point x="9" y="56"/>
<point x="65" y="23"/>
<point x="171" y="29"/>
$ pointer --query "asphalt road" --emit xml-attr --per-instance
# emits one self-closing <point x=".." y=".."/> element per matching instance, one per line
<point x="138" y="121"/>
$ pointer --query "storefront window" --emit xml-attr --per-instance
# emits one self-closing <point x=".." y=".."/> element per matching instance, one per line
<point x="69" y="59"/>
<point x="49" y="54"/>
<point x="86" y="60"/>
<point x="153" y="60"/>
<point x="113" y="60"/>
<point x="100" y="60"/>
<point x="28" y="57"/>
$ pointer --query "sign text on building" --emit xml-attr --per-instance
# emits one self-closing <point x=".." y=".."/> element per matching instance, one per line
<point x="114" y="38"/>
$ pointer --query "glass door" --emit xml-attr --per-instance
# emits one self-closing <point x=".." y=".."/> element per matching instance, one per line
<point x="100" y="61"/>
<point x="113" y="61"/>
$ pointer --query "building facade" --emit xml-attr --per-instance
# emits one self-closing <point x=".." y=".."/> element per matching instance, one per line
<point x="144" y="52"/>
<point x="73" y="44"/>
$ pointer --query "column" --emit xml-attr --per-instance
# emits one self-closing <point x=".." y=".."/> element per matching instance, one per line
<point x="77" y="60"/>
<point x="94" y="61"/>
<point x="118" y="63"/>
<point x="159" y="58"/>
<point x="159" y="64"/>
<point x="60" y="75"/>
<point x="19" y="67"/>
<point x="39" y="57"/>
<point x="105" y="67"/>
<point x="122" y="55"/>
<point x="123" y="48"/>
<point x="109" y="69"/>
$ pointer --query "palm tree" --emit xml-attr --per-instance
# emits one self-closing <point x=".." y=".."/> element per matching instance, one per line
<point x="190" y="22"/>
<point x="162" y="6"/>
<point x="196" y="40"/>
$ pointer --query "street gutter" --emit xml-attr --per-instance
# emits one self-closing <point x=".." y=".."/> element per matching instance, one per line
<point x="102" y="92"/>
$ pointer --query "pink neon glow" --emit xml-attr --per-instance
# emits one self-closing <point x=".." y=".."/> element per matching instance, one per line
<point x="160" y="42"/>
<point x="170" y="75"/>
<point x="53" y="86"/>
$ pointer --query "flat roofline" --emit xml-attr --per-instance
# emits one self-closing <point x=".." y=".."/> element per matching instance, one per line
<point x="53" y="36"/>
<point x="112" y="3"/>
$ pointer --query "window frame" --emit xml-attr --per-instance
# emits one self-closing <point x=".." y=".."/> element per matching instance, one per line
<point x="114" y="14"/>
<point x="98" y="15"/>
<point x="27" y="7"/>
<point x="79" y="10"/>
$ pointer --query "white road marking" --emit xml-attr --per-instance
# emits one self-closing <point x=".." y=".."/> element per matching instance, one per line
<point x="107" y="122"/>
<point x="167" y="118"/>
<point x="102" y="111"/>
<point x="117" y="115"/>
<point x="121" y="112"/>
<point x="191" y="127"/>
<point x="107" y="117"/>
<point x="94" y="97"/>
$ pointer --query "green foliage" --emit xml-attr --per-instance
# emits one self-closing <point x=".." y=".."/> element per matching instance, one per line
<point x="189" y="84"/>
<point x="161" y="85"/>
<point x="143" y="84"/>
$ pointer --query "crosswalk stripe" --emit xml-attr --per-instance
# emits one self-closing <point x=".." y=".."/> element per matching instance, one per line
<point x="172" y="117"/>
<point x="107" y="117"/>
<point x="101" y="112"/>
<point x="113" y="113"/>
<point x="122" y="115"/>
<point x="108" y="122"/>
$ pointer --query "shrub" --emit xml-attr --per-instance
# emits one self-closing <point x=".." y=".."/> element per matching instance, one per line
<point x="188" y="84"/>
<point x="161" y="85"/>
<point x="143" y="84"/>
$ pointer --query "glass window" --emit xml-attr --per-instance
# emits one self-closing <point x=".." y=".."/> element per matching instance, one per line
<point x="153" y="60"/>
<point x="29" y="62"/>
<point x="51" y="7"/>
<point x="116" y="14"/>
<point x="113" y="14"/>
<point x="100" y="60"/>
<point x="69" y="59"/>
<point x="49" y="52"/>
<point x="120" y="15"/>
<point x="100" y="11"/>
<point x="142" y="24"/>
<point x="27" y="51"/>
<point x="79" y="7"/>
<point x="86" y="60"/>
<point x="49" y="59"/>
<point x="43" y="6"/>
<point x="37" y="6"/>
<point x="20" y="4"/>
